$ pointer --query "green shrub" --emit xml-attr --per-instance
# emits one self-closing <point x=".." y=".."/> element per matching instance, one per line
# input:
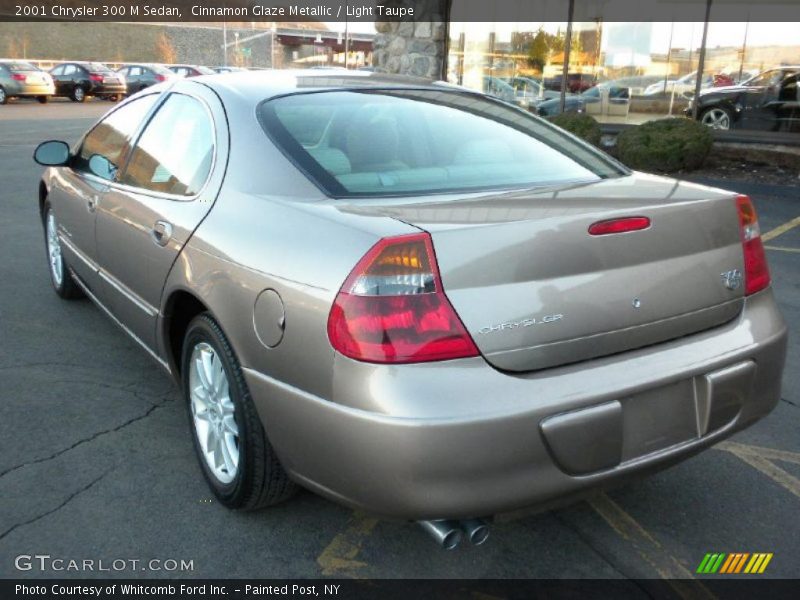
<point x="582" y="125"/>
<point x="665" y="145"/>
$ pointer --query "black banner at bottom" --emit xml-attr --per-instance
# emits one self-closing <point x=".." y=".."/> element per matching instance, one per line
<point x="390" y="589"/>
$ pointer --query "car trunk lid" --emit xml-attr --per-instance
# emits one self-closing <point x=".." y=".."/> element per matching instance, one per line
<point x="535" y="289"/>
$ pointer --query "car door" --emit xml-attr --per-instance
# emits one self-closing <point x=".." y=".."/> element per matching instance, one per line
<point x="76" y="191"/>
<point x="58" y="79"/>
<point x="787" y="106"/>
<point x="169" y="184"/>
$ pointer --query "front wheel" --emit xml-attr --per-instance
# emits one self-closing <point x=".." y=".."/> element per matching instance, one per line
<point x="60" y="276"/>
<point x="3" y="96"/>
<point x="716" y="118"/>
<point x="43" y="99"/>
<point x="235" y="455"/>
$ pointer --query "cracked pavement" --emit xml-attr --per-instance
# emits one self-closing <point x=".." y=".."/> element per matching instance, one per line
<point x="97" y="461"/>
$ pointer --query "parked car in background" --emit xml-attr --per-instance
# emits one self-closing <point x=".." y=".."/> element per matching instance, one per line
<point x="589" y="101"/>
<point x="141" y="76"/>
<point x="190" y="70"/>
<point x="683" y="87"/>
<point x="227" y="69"/>
<point x="528" y="91"/>
<point x="20" y="79"/>
<point x="768" y="102"/>
<point x="408" y="297"/>
<point x="81" y="80"/>
<point x="637" y="84"/>
<point x="576" y="82"/>
<point x="494" y="86"/>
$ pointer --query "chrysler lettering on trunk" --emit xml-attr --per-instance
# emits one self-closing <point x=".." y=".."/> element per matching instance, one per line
<point x="523" y="323"/>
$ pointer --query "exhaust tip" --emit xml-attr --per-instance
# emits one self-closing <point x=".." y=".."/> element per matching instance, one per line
<point x="477" y="531"/>
<point x="451" y="540"/>
<point x="447" y="534"/>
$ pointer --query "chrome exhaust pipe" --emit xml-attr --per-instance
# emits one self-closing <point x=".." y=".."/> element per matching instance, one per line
<point x="446" y="533"/>
<point x="476" y="530"/>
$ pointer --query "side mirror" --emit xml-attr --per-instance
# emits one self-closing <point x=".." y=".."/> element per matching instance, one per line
<point x="52" y="154"/>
<point x="102" y="167"/>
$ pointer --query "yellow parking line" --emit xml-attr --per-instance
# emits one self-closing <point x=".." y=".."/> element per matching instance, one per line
<point x="763" y="452"/>
<point x="767" y="467"/>
<point x="667" y="566"/>
<point x="339" y="557"/>
<point x="779" y="249"/>
<point x="781" y="229"/>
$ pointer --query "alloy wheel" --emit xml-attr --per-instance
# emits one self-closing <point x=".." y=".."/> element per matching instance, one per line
<point x="716" y="118"/>
<point x="3" y="98"/>
<point x="213" y="412"/>
<point x="79" y="94"/>
<point x="54" y="250"/>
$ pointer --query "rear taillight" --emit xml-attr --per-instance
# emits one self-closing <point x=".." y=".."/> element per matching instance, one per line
<point x="18" y="77"/>
<point x="756" y="271"/>
<point x="392" y="308"/>
<point x="96" y="78"/>
<point x="161" y="78"/>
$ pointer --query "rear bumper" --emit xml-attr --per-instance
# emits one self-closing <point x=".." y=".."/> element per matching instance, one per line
<point x="109" y="89"/>
<point x="24" y="90"/>
<point x="460" y="439"/>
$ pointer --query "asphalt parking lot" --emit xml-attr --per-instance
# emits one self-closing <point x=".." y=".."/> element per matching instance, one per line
<point x="97" y="461"/>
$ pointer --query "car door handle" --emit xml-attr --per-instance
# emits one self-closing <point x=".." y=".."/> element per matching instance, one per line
<point x="91" y="203"/>
<point x="162" y="233"/>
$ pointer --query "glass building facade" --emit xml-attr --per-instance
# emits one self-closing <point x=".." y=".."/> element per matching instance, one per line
<point x="629" y="73"/>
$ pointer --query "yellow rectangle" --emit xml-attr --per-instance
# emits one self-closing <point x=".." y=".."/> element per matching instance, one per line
<point x="765" y="563"/>
<point x="752" y="564"/>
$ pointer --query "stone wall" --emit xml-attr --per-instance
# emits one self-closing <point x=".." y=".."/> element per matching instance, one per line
<point x="413" y="48"/>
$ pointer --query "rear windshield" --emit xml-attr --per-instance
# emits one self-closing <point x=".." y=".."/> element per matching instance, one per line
<point x="20" y="66"/>
<point x="98" y="68"/>
<point x="406" y="141"/>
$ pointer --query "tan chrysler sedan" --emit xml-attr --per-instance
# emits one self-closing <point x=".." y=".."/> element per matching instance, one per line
<point x="409" y="297"/>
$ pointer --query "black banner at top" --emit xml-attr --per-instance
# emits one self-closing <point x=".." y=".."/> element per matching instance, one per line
<point x="517" y="11"/>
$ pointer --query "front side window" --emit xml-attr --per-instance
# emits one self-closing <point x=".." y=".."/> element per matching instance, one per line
<point x="176" y="150"/>
<point x="110" y="137"/>
<point x="395" y="142"/>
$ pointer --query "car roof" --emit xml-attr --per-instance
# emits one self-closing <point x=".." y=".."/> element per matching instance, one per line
<point x="262" y="85"/>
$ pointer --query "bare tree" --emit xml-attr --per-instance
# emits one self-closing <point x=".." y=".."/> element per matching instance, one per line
<point x="165" y="51"/>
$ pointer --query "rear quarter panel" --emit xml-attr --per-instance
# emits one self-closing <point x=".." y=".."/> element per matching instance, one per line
<point x="270" y="228"/>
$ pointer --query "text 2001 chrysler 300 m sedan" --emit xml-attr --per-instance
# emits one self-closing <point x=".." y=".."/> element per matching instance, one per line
<point x="410" y="297"/>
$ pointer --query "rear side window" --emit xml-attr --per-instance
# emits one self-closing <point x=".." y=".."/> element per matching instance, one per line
<point x="176" y="150"/>
<point x="112" y="135"/>
<point x="398" y="142"/>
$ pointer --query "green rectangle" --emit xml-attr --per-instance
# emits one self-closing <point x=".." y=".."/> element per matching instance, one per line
<point x="717" y="564"/>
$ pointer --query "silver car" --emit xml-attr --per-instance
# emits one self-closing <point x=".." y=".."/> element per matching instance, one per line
<point x="21" y="79"/>
<point x="409" y="297"/>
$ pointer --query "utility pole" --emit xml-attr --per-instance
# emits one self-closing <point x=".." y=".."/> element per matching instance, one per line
<point x="567" y="47"/>
<point x="701" y="62"/>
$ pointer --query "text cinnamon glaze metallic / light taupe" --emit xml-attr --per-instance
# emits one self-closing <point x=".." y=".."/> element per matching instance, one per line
<point x="409" y="297"/>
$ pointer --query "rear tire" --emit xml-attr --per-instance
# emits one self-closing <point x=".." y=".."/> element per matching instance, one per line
<point x="60" y="275"/>
<point x="236" y="458"/>
<point x="78" y="94"/>
<point x="43" y="99"/>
